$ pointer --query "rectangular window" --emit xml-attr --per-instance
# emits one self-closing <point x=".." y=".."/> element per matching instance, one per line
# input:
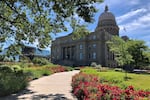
<point x="81" y="46"/>
<point x="94" y="45"/>
<point x="94" y="55"/>
<point x="94" y="37"/>
<point x="81" y="56"/>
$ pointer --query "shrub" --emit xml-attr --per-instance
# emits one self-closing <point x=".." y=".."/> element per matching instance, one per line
<point x="58" y="69"/>
<point x="25" y="65"/>
<point x="2" y="57"/>
<point x="24" y="59"/>
<point x="9" y="68"/>
<point x="88" y="87"/>
<point x="37" y="72"/>
<point x="12" y="79"/>
<point x="118" y="69"/>
<point x="40" y="61"/>
<point x="5" y="69"/>
<point x="93" y="64"/>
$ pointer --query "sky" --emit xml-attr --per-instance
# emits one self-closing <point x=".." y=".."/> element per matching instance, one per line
<point x="132" y="16"/>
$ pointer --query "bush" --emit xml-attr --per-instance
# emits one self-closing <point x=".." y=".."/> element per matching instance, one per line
<point x="93" y="64"/>
<point x="58" y="69"/>
<point x="88" y="87"/>
<point x="8" y="68"/>
<point x="37" y="72"/>
<point x="5" y="69"/>
<point x="2" y="57"/>
<point x="40" y="61"/>
<point x="118" y="69"/>
<point x="12" y="79"/>
<point x="25" y="59"/>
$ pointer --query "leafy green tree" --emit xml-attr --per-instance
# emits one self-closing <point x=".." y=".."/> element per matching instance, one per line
<point x="137" y="49"/>
<point x="132" y="52"/>
<point x="120" y="49"/>
<point x="146" y="59"/>
<point x="36" y="20"/>
<point x="79" y="31"/>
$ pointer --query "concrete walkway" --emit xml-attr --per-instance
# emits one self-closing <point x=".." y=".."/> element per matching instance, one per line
<point x="53" y="87"/>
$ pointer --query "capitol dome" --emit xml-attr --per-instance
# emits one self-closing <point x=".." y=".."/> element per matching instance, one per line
<point x="107" y="22"/>
<point x="106" y="16"/>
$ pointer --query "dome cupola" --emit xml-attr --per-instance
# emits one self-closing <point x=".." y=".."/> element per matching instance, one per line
<point x="107" y="22"/>
<point x="106" y="15"/>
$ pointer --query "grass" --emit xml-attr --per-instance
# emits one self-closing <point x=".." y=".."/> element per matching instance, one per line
<point x="139" y="81"/>
<point x="37" y="72"/>
<point x="21" y="73"/>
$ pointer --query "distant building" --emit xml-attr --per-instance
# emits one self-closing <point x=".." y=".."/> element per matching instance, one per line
<point x="32" y="52"/>
<point x="92" y="48"/>
<point x="27" y="51"/>
<point x="125" y="38"/>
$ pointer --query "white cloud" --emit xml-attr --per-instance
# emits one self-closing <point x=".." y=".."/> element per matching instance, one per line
<point x="139" y="23"/>
<point x="130" y="14"/>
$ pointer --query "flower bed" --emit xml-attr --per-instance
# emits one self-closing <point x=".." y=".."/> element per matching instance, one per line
<point x="88" y="87"/>
<point x="58" y="69"/>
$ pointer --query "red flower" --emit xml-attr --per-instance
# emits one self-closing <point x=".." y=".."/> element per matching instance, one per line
<point x="88" y="87"/>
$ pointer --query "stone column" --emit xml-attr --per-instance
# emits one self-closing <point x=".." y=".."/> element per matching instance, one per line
<point x="70" y="53"/>
<point x="65" y="52"/>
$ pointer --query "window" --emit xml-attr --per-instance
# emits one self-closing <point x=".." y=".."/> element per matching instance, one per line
<point x="81" y="46"/>
<point x="94" y="37"/>
<point x="94" y="45"/>
<point x="81" y="56"/>
<point x="94" y="55"/>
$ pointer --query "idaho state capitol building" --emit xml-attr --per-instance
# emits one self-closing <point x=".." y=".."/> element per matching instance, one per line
<point x="91" y="48"/>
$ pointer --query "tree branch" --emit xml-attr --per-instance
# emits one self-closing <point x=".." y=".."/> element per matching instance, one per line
<point x="14" y="9"/>
<point x="37" y="3"/>
<point x="12" y="22"/>
<point x="11" y="7"/>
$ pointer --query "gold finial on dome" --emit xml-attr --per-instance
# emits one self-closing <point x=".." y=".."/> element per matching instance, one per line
<point x="106" y="8"/>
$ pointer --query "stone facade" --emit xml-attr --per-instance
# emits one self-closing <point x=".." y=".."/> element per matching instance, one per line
<point x="92" y="48"/>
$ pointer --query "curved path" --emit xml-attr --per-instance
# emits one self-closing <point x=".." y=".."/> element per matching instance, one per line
<point x="53" y="87"/>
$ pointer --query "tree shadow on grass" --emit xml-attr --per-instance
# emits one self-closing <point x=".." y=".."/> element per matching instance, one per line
<point x="20" y="96"/>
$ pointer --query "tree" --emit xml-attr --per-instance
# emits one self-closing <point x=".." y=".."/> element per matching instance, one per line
<point x="146" y="59"/>
<point x="120" y="49"/>
<point x="137" y="49"/>
<point x="132" y="52"/>
<point x="36" y="20"/>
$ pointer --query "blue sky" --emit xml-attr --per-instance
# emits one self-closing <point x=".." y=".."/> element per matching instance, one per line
<point x="132" y="16"/>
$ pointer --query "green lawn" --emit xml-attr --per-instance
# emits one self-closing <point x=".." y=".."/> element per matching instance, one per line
<point x="37" y="72"/>
<point x="139" y="81"/>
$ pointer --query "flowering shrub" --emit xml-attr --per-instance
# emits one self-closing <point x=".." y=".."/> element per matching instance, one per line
<point x="88" y="87"/>
<point x="58" y="69"/>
